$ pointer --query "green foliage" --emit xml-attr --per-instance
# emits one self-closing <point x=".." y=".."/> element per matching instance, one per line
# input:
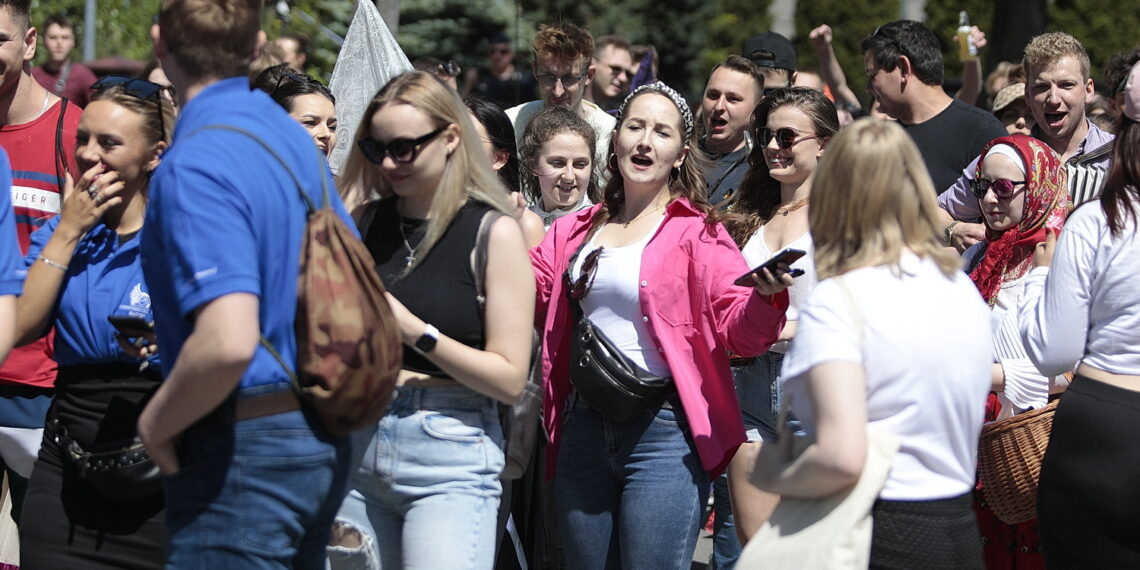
<point x="451" y="29"/>
<point x="850" y="21"/>
<point x="1104" y="27"/>
<point x="733" y="21"/>
<point x="122" y="27"/>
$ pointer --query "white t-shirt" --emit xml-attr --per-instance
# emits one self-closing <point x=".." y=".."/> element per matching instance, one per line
<point x="932" y="397"/>
<point x="1087" y="306"/>
<point x="756" y="252"/>
<point x="613" y="302"/>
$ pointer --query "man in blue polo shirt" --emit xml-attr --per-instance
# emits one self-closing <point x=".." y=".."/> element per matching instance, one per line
<point x="11" y="266"/>
<point x="255" y="482"/>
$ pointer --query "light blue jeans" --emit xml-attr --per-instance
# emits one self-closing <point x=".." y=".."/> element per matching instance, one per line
<point x="426" y="494"/>
<point x="629" y="494"/>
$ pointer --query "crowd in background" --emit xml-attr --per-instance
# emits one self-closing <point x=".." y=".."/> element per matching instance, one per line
<point x="942" y="260"/>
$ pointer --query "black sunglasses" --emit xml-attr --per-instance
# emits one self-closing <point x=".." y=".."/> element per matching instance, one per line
<point x="139" y="89"/>
<point x="547" y="80"/>
<point x="402" y="151"/>
<point x="1003" y="188"/>
<point x="578" y="288"/>
<point x="785" y="137"/>
<point x="291" y="76"/>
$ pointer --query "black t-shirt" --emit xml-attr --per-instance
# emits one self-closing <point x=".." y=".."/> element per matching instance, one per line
<point x="952" y="139"/>
<point x="516" y="89"/>
<point x="440" y="289"/>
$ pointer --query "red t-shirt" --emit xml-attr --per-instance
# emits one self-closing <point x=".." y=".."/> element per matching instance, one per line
<point x="37" y="165"/>
<point x="76" y="89"/>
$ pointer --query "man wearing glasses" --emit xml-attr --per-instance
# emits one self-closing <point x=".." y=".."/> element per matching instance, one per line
<point x="612" y="63"/>
<point x="563" y="66"/>
<point x="501" y="82"/>
<point x="221" y="250"/>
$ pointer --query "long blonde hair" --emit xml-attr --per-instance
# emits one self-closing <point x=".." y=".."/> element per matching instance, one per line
<point x="464" y="176"/>
<point x="872" y="198"/>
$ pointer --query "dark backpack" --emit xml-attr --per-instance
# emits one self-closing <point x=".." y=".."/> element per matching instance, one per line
<point x="522" y="421"/>
<point x="349" y="348"/>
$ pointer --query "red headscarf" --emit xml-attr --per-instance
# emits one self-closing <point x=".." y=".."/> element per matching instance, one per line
<point x="1009" y="253"/>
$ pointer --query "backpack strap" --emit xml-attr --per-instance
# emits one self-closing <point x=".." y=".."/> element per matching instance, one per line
<point x="479" y="258"/>
<point x="1093" y="155"/>
<point x="60" y="153"/>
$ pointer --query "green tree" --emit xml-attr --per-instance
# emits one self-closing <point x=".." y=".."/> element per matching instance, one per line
<point x="732" y="22"/>
<point x="1104" y="27"/>
<point x="850" y="21"/>
<point x="122" y="27"/>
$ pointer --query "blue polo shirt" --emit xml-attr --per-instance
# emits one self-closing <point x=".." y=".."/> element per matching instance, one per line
<point x="11" y="269"/>
<point x="225" y="217"/>
<point x="104" y="278"/>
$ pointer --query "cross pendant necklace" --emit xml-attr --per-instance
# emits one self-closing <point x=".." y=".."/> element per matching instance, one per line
<point x="409" y="259"/>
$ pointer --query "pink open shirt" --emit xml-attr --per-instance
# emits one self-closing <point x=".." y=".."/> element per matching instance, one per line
<point x="695" y="315"/>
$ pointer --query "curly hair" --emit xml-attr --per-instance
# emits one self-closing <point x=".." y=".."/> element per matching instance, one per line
<point x="545" y="125"/>
<point x="1045" y="49"/>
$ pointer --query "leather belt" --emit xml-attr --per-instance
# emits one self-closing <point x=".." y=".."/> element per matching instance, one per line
<point x="266" y="405"/>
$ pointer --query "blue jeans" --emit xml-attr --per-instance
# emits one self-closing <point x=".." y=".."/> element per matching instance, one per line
<point x="629" y="494"/>
<point x="758" y="391"/>
<point x="259" y="493"/>
<point x="427" y="492"/>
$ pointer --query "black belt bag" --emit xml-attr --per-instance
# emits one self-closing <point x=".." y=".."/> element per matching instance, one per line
<point x="608" y="381"/>
<point x="121" y="471"/>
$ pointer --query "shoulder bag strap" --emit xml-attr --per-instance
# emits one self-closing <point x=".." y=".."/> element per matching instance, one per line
<point x="479" y="257"/>
<point x="60" y="153"/>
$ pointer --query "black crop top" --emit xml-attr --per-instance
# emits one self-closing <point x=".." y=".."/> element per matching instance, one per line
<point x="441" y="288"/>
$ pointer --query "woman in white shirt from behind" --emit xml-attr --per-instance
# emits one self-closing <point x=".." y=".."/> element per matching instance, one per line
<point x="1088" y="310"/>
<point x="870" y="353"/>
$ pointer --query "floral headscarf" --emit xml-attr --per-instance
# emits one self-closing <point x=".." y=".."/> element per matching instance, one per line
<point x="1009" y="253"/>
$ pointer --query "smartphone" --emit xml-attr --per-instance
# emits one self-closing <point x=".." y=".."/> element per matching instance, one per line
<point x="787" y="256"/>
<point x="131" y="327"/>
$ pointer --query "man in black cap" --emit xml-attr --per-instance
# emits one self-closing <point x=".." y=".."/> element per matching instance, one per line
<point x="776" y="58"/>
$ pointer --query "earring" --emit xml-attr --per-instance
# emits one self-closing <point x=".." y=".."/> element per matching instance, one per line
<point x="675" y="173"/>
<point x="611" y="163"/>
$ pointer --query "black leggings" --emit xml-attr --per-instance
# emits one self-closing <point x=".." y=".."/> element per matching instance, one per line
<point x="1088" y="502"/>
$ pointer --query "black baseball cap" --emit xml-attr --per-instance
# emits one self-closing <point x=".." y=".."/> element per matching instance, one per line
<point x="770" y="49"/>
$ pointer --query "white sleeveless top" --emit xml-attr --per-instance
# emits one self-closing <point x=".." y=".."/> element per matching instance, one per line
<point x="756" y="252"/>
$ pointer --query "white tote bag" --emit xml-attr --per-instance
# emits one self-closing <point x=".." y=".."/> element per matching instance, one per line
<point x="826" y="532"/>
<point x="832" y="532"/>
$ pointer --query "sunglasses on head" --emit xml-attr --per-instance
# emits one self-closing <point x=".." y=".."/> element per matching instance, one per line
<point x="1003" y="189"/>
<point x="785" y="137"/>
<point x="139" y="89"/>
<point x="291" y="76"/>
<point x="402" y="151"/>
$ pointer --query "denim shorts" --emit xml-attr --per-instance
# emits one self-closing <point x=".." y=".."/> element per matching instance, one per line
<point x="426" y="494"/>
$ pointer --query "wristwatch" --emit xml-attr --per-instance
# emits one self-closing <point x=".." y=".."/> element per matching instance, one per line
<point x="426" y="342"/>
<point x="949" y="231"/>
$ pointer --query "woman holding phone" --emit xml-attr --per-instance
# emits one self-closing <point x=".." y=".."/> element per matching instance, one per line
<point x="95" y="499"/>
<point x="650" y="270"/>
<point x="791" y="129"/>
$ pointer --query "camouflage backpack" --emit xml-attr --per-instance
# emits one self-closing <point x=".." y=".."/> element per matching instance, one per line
<point x="349" y="349"/>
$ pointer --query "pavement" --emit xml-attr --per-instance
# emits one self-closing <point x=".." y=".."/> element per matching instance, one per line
<point x="703" y="552"/>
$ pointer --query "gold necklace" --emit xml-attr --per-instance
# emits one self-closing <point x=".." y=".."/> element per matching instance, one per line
<point x="625" y="225"/>
<point x="792" y="207"/>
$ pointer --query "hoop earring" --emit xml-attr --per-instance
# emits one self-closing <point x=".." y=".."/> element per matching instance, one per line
<point x="611" y="163"/>
<point x="675" y="173"/>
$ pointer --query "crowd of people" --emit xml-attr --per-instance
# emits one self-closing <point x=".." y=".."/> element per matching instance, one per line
<point x="962" y="258"/>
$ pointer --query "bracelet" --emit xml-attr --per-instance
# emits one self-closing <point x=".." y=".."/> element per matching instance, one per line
<point x="58" y="266"/>
<point x="950" y="231"/>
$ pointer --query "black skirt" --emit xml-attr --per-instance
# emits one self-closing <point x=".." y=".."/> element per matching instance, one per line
<point x="66" y="522"/>
<point x="1088" y="501"/>
<point x="926" y="534"/>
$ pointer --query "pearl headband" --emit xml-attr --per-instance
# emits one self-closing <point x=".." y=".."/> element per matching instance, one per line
<point x="659" y="87"/>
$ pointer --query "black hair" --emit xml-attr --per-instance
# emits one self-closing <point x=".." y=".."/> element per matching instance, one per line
<point x="283" y="85"/>
<point x="502" y="135"/>
<point x="913" y="39"/>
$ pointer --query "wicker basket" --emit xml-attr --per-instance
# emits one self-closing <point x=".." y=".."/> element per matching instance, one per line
<point x="1009" y="462"/>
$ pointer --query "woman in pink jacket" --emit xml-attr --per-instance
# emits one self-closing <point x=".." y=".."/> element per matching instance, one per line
<point x="653" y="274"/>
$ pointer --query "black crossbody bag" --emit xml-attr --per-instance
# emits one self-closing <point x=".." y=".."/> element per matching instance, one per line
<point x="604" y="378"/>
